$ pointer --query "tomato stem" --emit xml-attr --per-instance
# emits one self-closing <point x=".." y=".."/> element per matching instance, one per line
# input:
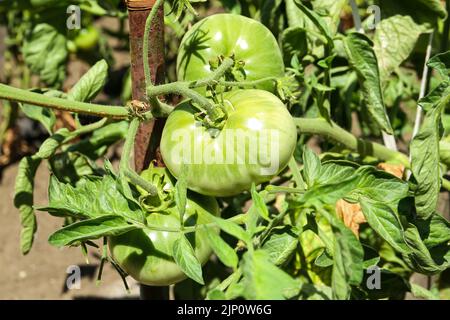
<point x="332" y="131"/>
<point x="296" y="173"/>
<point x="247" y="83"/>
<point x="154" y="101"/>
<point x="145" y="44"/>
<point x="124" y="167"/>
<point x="37" y="99"/>
<point x="182" y="88"/>
<point x="214" y="78"/>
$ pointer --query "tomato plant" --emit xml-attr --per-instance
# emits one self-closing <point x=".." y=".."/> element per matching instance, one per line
<point x="298" y="150"/>
<point x="254" y="145"/>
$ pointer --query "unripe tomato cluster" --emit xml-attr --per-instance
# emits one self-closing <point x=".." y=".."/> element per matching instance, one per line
<point x="255" y="143"/>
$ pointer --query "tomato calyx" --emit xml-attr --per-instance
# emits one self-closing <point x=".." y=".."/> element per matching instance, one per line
<point x="165" y="196"/>
<point x="215" y="122"/>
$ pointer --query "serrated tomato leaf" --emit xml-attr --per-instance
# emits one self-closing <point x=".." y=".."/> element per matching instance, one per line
<point x="362" y="57"/>
<point x="93" y="196"/>
<point x="90" y="83"/>
<point x="185" y="258"/>
<point x="23" y="200"/>
<point x="90" y="229"/>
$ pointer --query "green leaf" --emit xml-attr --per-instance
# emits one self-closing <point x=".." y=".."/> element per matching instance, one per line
<point x="215" y="294"/>
<point x="425" y="160"/>
<point x="263" y="280"/>
<point x="281" y="244"/>
<point x="395" y="38"/>
<point x="295" y="17"/>
<point x="90" y="83"/>
<point x="259" y="204"/>
<point x="441" y="62"/>
<point x="294" y="42"/>
<point x="318" y="21"/>
<point x="90" y="198"/>
<point x="90" y="229"/>
<point x="45" y="52"/>
<point x="312" y="166"/>
<point x="385" y="222"/>
<point x="324" y="260"/>
<point x="23" y="200"/>
<point x="435" y="97"/>
<point x="69" y="167"/>
<point x="364" y="61"/>
<point x="45" y="116"/>
<point x="348" y="251"/>
<point x="338" y="180"/>
<point x="348" y="255"/>
<point x="420" y="10"/>
<point x="334" y="172"/>
<point x="224" y="252"/>
<point x="420" y="259"/>
<point x="185" y="258"/>
<point x="97" y="144"/>
<point x="231" y="228"/>
<point x="379" y="186"/>
<point x="51" y="144"/>
<point x="330" y="11"/>
<point x="181" y="193"/>
<point x="420" y="292"/>
<point x="434" y="231"/>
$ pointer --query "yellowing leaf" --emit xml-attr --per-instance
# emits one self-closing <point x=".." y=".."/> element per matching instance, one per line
<point x="395" y="169"/>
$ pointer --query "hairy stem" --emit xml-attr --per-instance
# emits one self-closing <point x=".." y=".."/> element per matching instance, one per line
<point x="124" y="167"/>
<point x="145" y="44"/>
<point x="247" y="83"/>
<point x="24" y="96"/>
<point x="185" y="89"/>
<point x="215" y="76"/>
<point x="296" y="173"/>
<point x="182" y="88"/>
<point x="334" y="132"/>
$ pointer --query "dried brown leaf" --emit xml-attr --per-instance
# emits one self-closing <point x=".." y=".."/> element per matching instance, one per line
<point x="395" y="169"/>
<point x="351" y="214"/>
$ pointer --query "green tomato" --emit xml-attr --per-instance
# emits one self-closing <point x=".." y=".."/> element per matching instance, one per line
<point x="256" y="142"/>
<point x="87" y="39"/>
<point x="147" y="255"/>
<point x="230" y="35"/>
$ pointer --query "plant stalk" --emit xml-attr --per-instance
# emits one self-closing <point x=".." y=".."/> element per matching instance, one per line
<point x="334" y="132"/>
<point x="24" y="96"/>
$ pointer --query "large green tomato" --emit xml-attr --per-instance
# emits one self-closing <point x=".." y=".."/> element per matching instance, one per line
<point x="230" y="35"/>
<point x="147" y="256"/>
<point x="255" y="144"/>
